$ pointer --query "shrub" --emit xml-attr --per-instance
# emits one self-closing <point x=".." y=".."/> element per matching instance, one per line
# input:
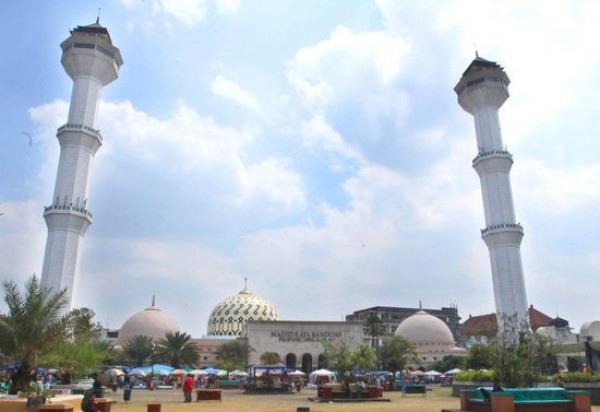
<point x="475" y="376"/>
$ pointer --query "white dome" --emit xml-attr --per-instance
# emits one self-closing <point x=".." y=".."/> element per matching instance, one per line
<point x="590" y="330"/>
<point x="230" y="316"/>
<point x="424" y="328"/>
<point x="151" y="322"/>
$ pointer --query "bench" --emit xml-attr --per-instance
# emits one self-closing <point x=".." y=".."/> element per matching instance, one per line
<point x="229" y="383"/>
<point x="525" y="400"/>
<point x="337" y="391"/>
<point x="208" y="395"/>
<point x="409" y="388"/>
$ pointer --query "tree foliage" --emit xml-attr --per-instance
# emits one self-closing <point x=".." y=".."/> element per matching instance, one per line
<point x="481" y="356"/>
<point x="76" y="355"/>
<point x="396" y="352"/>
<point x="138" y="350"/>
<point x="233" y="355"/>
<point x="449" y="362"/>
<point x="521" y="356"/>
<point x="82" y="324"/>
<point x="32" y="325"/>
<point x="270" y="358"/>
<point x="340" y="357"/>
<point x="177" y="350"/>
<point x="374" y="328"/>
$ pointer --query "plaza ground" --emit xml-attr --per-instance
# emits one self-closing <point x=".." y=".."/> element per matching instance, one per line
<point x="235" y="400"/>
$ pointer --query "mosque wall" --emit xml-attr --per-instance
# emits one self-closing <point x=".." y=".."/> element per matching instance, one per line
<point x="298" y="343"/>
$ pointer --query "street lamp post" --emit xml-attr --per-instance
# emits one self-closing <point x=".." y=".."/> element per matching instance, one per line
<point x="152" y="366"/>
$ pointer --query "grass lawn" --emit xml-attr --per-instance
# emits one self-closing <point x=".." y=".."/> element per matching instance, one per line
<point x="235" y="400"/>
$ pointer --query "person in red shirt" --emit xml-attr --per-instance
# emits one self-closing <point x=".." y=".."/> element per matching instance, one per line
<point x="188" y="387"/>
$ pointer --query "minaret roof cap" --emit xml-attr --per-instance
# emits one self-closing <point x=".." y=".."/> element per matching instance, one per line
<point x="93" y="29"/>
<point x="481" y="64"/>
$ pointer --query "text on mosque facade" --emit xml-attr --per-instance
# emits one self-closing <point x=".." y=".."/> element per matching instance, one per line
<point x="305" y="336"/>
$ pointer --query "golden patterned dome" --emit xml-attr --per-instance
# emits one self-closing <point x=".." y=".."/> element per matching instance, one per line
<point x="151" y="322"/>
<point x="229" y="317"/>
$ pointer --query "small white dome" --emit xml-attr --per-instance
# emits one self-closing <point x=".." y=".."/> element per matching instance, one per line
<point x="229" y="317"/>
<point x="424" y="328"/>
<point x="151" y="322"/>
<point x="590" y="330"/>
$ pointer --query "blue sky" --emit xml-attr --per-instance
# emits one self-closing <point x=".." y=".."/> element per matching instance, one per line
<point x="315" y="147"/>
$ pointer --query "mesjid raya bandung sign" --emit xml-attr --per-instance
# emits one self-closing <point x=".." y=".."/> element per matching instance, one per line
<point x="305" y="336"/>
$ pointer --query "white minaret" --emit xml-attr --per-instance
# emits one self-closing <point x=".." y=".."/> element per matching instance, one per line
<point x="91" y="60"/>
<point x="481" y="91"/>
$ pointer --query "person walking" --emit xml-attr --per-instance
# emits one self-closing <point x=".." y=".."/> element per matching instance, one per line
<point x="188" y="387"/>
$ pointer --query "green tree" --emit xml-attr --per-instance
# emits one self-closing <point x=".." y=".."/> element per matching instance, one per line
<point x="73" y="356"/>
<point x="374" y="328"/>
<point x="481" y="356"/>
<point x="270" y="358"/>
<point x="178" y="350"/>
<point x="364" y="357"/>
<point x="339" y="357"/>
<point x="396" y="352"/>
<point x="449" y="362"/>
<point x="233" y="355"/>
<point x="82" y="324"/>
<point x="138" y="350"/>
<point x="31" y="326"/>
<point x="544" y="353"/>
<point x="513" y="360"/>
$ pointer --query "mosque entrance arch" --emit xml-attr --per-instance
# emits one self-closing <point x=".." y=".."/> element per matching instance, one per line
<point x="307" y="363"/>
<point x="290" y="360"/>
<point x="321" y="363"/>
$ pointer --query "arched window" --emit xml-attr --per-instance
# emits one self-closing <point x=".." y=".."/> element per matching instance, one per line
<point x="290" y="360"/>
<point x="307" y="363"/>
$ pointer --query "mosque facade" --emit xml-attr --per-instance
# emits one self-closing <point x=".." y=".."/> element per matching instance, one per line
<point x="299" y="343"/>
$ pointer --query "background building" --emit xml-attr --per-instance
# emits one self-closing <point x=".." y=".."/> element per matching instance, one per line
<point x="393" y="316"/>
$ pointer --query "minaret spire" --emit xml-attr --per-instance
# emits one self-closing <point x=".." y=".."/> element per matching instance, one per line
<point x="91" y="61"/>
<point x="481" y="91"/>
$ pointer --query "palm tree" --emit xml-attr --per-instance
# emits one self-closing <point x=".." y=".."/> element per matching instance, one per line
<point x="234" y="355"/>
<point x="178" y="350"/>
<point x="138" y="349"/>
<point x="32" y="326"/>
<point x="374" y="328"/>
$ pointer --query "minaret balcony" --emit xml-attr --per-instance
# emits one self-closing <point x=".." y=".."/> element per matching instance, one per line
<point x="70" y="208"/>
<point x="80" y="128"/>
<point x="493" y="160"/>
<point x="502" y="227"/>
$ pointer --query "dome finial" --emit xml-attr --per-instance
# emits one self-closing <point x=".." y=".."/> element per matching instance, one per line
<point x="153" y="301"/>
<point x="420" y="305"/>
<point x="98" y="17"/>
<point x="246" y="282"/>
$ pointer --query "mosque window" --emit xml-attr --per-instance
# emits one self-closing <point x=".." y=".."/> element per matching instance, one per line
<point x="105" y="51"/>
<point x="84" y="46"/>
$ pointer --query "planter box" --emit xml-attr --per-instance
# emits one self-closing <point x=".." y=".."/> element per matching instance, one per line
<point x="592" y="387"/>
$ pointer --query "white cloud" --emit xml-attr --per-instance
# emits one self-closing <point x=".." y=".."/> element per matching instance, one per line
<point x="557" y="191"/>
<point x="228" y="6"/>
<point x="275" y="179"/>
<point x="187" y="11"/>
<point x="231" y="90"/>
<point x="335" y="69"/>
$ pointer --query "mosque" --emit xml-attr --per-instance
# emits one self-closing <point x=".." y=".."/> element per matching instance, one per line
<point x="92" y="62"/>
<point x="298" y="343"/>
